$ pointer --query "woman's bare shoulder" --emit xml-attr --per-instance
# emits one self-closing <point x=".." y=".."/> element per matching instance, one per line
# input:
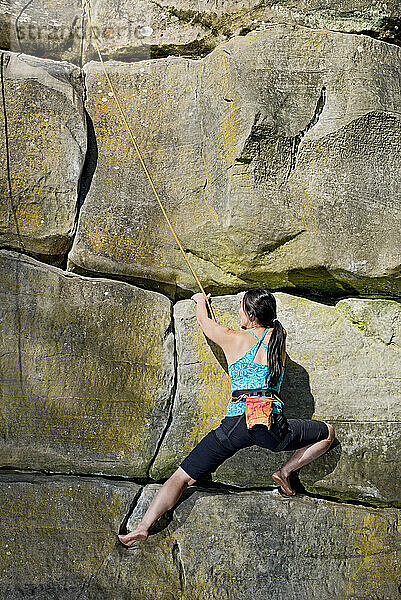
<point x="242" y="340"/>
<point x="242" y="334"/>
<point x="238" y="336"/>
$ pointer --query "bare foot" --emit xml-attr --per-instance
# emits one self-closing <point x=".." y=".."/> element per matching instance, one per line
<point x="283" y="482"/>
<point x="139" y="534"/>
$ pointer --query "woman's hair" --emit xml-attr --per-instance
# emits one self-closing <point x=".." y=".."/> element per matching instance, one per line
<point x="260" y="304"/>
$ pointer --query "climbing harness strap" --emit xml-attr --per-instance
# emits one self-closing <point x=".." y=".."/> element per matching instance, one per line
<point x="237" y="394"/>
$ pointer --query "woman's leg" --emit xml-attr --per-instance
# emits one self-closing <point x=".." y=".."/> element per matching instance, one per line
<point x="207" y="455"/>
<point x="166" y="498"/>
<point x="302" y="457"/>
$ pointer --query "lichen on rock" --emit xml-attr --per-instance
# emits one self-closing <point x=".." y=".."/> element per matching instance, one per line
<point x="43" y="153"/>
<point x="288" y="149"/>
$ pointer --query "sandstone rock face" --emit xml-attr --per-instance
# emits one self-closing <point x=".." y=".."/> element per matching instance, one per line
<point x="45" y="29"/>
<point x="43" y="150"/>
<point x="216" y="545"/>
<point x="59" y="536"/>
<point x="277" y="157"/>
<point x="87" y="371"/>
<point x="343" y="368"/>
<point x="147" y="29"/>
<point x="288" y="148"/>
<point x="265" y="546"/>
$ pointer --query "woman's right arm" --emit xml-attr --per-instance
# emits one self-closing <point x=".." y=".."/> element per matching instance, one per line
<point x="219" y="334"/>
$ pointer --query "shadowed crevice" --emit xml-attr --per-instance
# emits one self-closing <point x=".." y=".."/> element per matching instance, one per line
<point x="297" y="139"/>
<point x="178" y="563"/>
<point x="29" y="475"/>
<point x="87" y="173"/>
<point x="123" y="526"/>
<point x="171" y="329"/>
<point x="151" y="285"/>
<point x="89" y="166"/>
<point x="389" y="31"/>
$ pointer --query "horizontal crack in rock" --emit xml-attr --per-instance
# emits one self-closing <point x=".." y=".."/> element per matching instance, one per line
<point x="208" y="260"/>
<point x="6" y="476"/>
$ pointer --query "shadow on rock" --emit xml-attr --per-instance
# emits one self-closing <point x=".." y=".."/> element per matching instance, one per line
<point x="296" y="393"/>
<point x="218" y="354"/>
<point x="299" y="403"/>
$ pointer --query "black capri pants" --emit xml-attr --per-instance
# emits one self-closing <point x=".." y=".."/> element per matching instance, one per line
<point x="288" y="434"/>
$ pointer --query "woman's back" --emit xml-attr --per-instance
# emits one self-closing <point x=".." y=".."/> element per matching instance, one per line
<point x="248" y="373"/>
<point x="246" y="340"/>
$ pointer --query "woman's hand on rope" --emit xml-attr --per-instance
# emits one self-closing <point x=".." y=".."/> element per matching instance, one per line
<point x="219" y="334"/>
<point x="199" y="296"/>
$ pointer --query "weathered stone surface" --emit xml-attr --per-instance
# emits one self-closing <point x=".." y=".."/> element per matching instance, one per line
<point x="46" y="29"/>
<point x="58" y="540"/>
<point x="87" y="371"/>
<point x="273" y="156"/>
<point x="148" y="29"/>
<point x="343" y="368"/>
<point x="59" y="535"/>
<point x="262" y="545"/>
<point x="43" y="145"/>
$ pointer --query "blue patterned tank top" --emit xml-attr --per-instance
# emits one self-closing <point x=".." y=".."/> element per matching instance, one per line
<point x="246" y="374"/>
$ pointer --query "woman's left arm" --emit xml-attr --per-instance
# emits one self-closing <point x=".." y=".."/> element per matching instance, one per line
<point x="219" y="334"/>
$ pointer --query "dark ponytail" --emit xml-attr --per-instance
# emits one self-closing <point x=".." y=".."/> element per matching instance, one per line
<point x="260" y="304"/>
<point x="276" y="349"/>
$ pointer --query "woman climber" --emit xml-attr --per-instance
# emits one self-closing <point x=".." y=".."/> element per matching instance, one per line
<point x="254" y="415"/>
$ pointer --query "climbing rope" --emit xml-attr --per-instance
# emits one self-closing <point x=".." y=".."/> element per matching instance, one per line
<point x="86" y="4"/>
